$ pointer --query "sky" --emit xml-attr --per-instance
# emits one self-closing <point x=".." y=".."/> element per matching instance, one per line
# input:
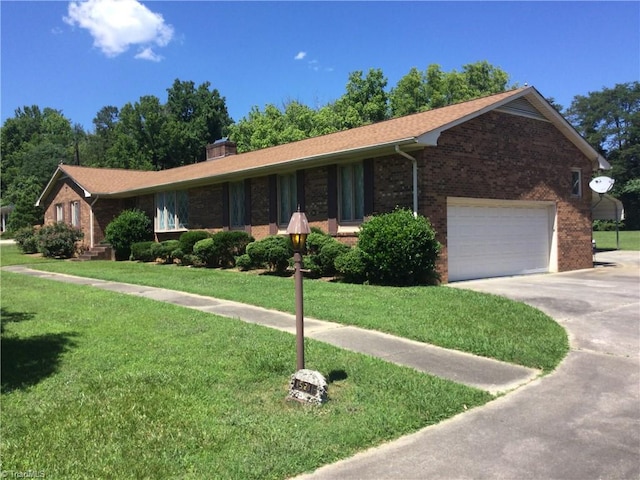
<point x="78" y="57"/>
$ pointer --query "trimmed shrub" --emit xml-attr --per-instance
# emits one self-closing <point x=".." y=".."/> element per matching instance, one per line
<point x="272" y="252"/>
<point x="27" y="240"/>
<point x="350" y="266"/>
<point x="129" y="227"/>
<point x="399" y="249"/>
<point x="141" y="251"/>
<point x="315" y="242"/>
<point x="190" y="238"/>
<point x="229" y="245"/>
<point x="206" y="251"/>
<point x="329" y="252"/>
<point x="244" y="263"/>
<point x="58" y="240"/>
<point x="165" y="250"/>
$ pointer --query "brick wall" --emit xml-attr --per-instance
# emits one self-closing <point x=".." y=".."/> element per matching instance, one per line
<point x="508" y="157"/>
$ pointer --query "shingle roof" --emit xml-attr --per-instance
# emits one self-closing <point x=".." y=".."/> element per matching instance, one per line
<point x="407" y="130"/>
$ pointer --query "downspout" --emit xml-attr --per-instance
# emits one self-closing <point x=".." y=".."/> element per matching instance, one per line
<point x="414" y="164"/>
<point x="92" y="243"/>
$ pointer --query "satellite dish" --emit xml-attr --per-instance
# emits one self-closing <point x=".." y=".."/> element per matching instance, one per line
<point x="601" y="184"/>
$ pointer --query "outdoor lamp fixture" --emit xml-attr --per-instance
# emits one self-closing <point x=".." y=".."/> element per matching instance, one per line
<point x="298" y="230"/>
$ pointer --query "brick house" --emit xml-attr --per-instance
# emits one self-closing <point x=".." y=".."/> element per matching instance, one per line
<point x="503" y="179"/>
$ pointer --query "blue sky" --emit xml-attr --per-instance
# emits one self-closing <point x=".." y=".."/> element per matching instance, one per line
<point x="79" y="58"/>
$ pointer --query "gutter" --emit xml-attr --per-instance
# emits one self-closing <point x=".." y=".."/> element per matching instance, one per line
<point x="414" y="168"/>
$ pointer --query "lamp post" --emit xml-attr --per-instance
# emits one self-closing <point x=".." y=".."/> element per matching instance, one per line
<point x="298" y="230"/>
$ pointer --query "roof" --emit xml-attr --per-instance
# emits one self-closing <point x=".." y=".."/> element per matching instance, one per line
<point x="411" y="131"/>
<point x="606" y="207"/>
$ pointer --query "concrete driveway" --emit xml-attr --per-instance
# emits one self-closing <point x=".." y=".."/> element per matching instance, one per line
<point x="580" y="422"/>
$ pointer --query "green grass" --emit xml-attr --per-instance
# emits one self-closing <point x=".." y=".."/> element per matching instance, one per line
<point x="97" y="384"/>
<point x="473" y="322"/>
<point x="629" y="240"/>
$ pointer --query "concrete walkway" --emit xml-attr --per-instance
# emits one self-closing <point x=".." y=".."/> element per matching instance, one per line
<point x="487" y="374"/>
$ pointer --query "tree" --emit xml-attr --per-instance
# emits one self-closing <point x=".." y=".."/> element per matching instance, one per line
<point x="609" y="120"/>
<point x="365" y="100"/>
<point x="196" y="117"/>
<point x="23" y="195"/>
<point x="410" y="94"/>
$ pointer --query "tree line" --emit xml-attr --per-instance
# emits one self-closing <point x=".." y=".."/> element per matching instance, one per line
<point x="148" y="134"/>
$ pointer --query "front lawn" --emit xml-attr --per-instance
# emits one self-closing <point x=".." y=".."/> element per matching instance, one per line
<point x="97" y="384"/>
<point x="629" y="240"/>
<point x="482" y="324"/>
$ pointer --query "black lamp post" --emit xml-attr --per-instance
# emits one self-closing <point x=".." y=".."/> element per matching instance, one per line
<point x="298" y="230"/>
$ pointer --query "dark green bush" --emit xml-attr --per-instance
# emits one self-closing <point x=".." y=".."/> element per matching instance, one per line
<point x="190" y="238"/>
<point x="229" y="245"/>
<point x="165" y="250"/>
<point x="221" y="249"/>
<point x="272" y="252"/>
<point x="350" y="266"/>
<point x="27" y="240"/>
<point x="206" y="250"/>
<point x="315" y="242"/>
<point x="329" y="252"/>
<point x="58" y="240"/>
<point x="141" y="251"/>
<point x="244" y="263"/>
<point x="399" y="249"/>
<point x="129" y="227"/>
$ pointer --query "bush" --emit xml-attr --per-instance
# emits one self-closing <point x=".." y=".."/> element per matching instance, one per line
<point x="206" y="251"/>
<point x="272" y="252"/>
<point x="27" y="240"/>
<point x="329" y="252"/>
<point x="129" y="227"/>
<point x="190" y="238"/>
<point x="350" y="266"/>
<point x="399" y="249"/>
<point x="244" y="263"/>
<point x="141" y="251"/>
<point x="58" y="240"/>
<point x="165" y="251"/>
<point x="230" y="245"/>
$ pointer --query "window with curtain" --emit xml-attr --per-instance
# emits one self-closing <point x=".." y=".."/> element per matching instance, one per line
<point x="172" y="210"/>
<point x="287" y="197"/>
<point x="351" y="193"/>
<point x="75" y="214"/>
<point x="236" y="205"/>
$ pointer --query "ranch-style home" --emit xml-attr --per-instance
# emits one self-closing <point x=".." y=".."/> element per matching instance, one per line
<point x="503" y="179"/>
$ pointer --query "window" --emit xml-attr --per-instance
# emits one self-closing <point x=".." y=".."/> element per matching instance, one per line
<point x="75" y="214"/>
<point x="351" y="193"/>
<point x="576" y="182"/>
<point x="172" y="211"/>
<point x="287" y="197"/>
<point x="236" y="205"/>
<point x="59" y="212"/>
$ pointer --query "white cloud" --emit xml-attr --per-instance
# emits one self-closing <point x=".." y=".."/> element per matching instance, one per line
<point x="115" y="25"/>
<point x="300" y="56"/>
<point x="148" y="54"/>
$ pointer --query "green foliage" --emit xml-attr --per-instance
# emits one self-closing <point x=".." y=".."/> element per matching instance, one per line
<point x="165" y="250"/>
<point x="129" y="227"/>
<point x="190" y="238"/>
<point x="23" y="194"/>
<point x="329" y="252"/>
<point x="273" y="252"/>
<point x="221" y="249"/>
<point x="322" y="250"/>
<point x="609" y="119"/>
<point x="58" y="240"/>
<point x="399" y="249"/>
<point x="244" y="262"/>
<point x="351" y="267"/>
<point x="27" y="239"/>
<point x="141" y="251"/>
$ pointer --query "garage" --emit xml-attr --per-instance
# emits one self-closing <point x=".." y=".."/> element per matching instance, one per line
<point x="492" y="238"/>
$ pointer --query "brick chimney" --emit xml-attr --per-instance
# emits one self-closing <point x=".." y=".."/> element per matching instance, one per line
<point x="220" y="149"/>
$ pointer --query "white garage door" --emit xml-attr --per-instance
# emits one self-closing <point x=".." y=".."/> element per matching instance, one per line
<point x="488" y="239"/>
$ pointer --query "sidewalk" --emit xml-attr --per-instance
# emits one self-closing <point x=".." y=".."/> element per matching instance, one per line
<point x="483" y="373"/>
